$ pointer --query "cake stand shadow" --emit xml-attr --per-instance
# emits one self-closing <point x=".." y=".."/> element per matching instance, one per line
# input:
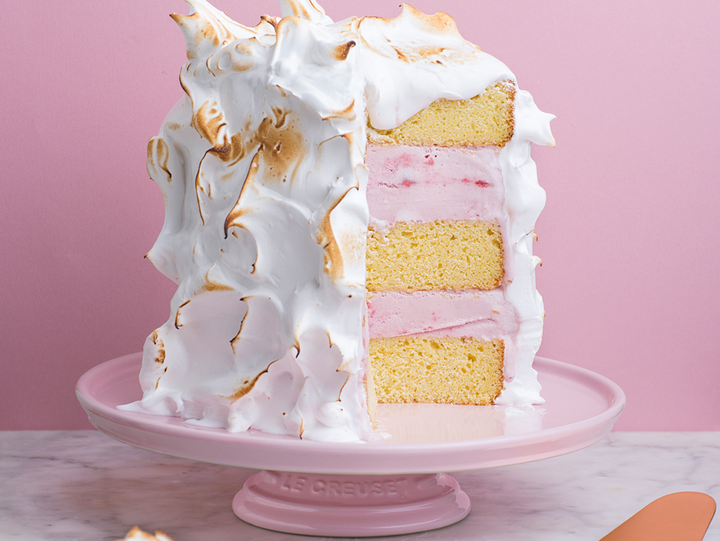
<point x="328" y="489"/>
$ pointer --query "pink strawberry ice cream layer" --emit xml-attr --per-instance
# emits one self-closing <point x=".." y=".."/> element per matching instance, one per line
<point x="423" y="184"/>
<point x="480" y="314"/>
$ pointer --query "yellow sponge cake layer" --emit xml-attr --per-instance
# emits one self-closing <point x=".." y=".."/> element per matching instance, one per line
<point x="442" y="254"/>
<point x="446" y="370"/>
<point x="486" y="119"/>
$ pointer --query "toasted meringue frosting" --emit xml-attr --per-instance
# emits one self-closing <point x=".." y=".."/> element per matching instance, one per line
<point x="261" y="165"/>
<point x="136" y="534"/>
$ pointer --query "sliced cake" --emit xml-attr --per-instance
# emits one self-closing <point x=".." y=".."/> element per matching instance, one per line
<point x="306" y="259"/>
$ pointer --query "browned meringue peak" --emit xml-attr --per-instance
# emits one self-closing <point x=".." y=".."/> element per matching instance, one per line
<point x="207" y="28"/>
<point x="304" y="9"/>
<point x="136" y="534"/>
<point x="440" y="25"/>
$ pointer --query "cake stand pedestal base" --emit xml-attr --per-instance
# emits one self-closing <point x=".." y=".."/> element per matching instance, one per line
<point x="350" y="505"/>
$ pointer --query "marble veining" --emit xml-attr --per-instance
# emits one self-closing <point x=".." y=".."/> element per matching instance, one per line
<point x="82" y="485"/>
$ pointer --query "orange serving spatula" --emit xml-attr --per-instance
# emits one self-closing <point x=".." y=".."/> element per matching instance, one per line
<point x="682" y="516"/>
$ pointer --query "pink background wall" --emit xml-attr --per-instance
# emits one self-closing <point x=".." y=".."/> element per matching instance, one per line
<point x="629" y="237"/>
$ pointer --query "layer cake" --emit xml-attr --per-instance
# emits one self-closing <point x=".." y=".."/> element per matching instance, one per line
<point x="349" y="208"/>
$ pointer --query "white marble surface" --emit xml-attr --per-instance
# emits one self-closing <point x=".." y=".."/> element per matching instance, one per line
<point x="81" y="485"/>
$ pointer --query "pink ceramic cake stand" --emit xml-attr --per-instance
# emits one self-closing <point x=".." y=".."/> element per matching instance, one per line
<point x="328" y="489"/>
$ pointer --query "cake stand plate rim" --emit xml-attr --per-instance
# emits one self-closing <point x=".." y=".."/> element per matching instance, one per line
<point x="266" y="451"/>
